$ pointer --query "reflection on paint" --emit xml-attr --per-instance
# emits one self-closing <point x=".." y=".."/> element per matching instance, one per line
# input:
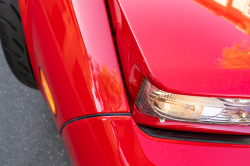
<point x="236" y="57"/>
<point x="110" y="89"/>
<point x="236" y="12"/>
<point x="240" y="5"/>
<point x="222" y="2"/>
<point x="109" y="86"/>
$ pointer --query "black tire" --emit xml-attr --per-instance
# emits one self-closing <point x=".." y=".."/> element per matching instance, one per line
<point x="13" y="42"/>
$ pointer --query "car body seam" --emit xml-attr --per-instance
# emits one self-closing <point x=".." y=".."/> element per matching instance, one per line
<point x="92" y="116"/>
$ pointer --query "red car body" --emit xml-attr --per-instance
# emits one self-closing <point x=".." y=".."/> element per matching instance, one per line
<point x="95" y="54"/>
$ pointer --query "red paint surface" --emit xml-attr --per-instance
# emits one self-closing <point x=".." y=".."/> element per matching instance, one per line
<point x="72" y="42"/>
<point x="118" y="141"/>
<point x="183" y="47"/>
<point x="180" y="46"/>
<point x="77" y="55"/>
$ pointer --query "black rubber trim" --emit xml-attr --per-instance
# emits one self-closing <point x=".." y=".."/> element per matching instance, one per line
<point x="196" y="137"/>
<point x="92" y="116"/>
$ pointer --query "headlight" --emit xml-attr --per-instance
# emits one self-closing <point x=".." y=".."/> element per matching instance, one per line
<point x="163" y="105"/>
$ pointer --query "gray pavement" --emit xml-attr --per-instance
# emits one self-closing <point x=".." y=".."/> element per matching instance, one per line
<point x="28" y="136"/>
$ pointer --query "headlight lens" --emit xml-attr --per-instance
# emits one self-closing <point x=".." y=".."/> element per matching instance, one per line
<point x="163" y="105"/>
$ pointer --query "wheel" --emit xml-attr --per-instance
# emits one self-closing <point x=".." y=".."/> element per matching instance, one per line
<point x="13" y="42"/>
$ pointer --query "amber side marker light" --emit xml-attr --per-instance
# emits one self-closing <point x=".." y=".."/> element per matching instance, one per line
<point x="48" y="93"/>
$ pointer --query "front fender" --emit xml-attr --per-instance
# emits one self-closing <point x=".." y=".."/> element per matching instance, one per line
<point x="71" y="41"/>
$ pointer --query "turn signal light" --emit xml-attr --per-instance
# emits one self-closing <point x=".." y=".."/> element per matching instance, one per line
<point x="48" y="93"/>
<point x="164" y="105"/>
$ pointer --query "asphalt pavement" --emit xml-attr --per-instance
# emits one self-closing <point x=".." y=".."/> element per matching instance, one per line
<point x="28" y="136"/>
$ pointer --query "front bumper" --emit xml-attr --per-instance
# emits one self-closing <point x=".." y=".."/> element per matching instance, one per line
<point x="117" y="140"/>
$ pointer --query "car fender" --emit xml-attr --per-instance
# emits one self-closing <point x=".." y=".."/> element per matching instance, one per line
<point x="71" y="41"/>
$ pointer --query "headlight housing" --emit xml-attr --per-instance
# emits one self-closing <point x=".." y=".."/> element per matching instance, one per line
<point x="210" y="110"/>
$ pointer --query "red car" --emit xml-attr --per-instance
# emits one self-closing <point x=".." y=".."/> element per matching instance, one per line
<point x="138" y="82"/>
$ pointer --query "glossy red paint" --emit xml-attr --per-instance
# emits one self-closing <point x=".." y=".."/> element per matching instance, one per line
<point x="72" y="42"/>
<point x="118" y="141"/>
<point x="145" y="120"/>
<point x="183" y="47"/>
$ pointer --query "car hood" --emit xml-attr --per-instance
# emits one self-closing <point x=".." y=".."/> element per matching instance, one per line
<point x="193" y="47"/>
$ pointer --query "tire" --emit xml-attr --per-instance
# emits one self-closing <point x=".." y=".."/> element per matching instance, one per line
<point x="13" y="42"/>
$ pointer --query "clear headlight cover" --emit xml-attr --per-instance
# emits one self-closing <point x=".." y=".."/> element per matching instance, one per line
<point x="163" y="105"/>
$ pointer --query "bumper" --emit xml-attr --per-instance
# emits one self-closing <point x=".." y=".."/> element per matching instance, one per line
<point x="117" y="140"/>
